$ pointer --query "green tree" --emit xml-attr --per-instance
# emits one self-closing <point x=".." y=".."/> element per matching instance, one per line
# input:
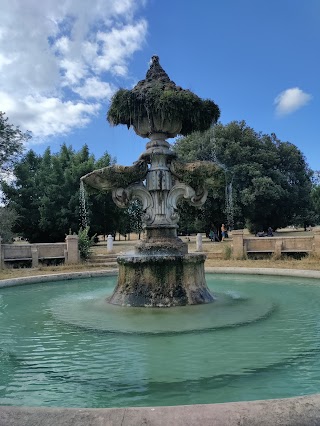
<point x="8" y="218"/>
<point x="104" y="215"/>
<point x="23" y="195"/>
<point x="45" y="193"/>
<point x="315" y="197"/>
<point x="135" y="217"/>
<point x="271" y="180"/>
<point x="11" y="142"/>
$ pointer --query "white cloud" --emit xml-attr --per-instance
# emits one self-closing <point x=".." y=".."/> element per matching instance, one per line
<point x="54" y="116"/>
<point x="118" y="45"/>
<point x="62" y="45"/>
<point x="58" y="59"/>
<point x="74" y="71"/>
<point x="95" y="88"/>
<point x="291" y="100"/>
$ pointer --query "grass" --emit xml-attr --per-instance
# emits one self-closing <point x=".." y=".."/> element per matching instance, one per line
<point x="220" y="250"/>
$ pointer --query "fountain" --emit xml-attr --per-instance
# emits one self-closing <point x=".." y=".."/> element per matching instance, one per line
<point x="161" y="272"/>
<point x="62" y="346"/>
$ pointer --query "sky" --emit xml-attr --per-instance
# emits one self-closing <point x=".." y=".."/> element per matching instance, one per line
<point x="62" y="60"/>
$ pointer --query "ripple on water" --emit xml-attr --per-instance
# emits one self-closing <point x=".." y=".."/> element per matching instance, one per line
<point x="90" y="310"/>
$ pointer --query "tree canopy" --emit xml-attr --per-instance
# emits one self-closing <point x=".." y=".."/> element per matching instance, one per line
<point x="8" y="218"/>
<point x="269" y="179"/>
<point x="11" y="142"/>
<point x="45" y="194"/>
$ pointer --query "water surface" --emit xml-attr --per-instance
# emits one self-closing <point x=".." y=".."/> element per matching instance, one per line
<point x="61" y="344"/>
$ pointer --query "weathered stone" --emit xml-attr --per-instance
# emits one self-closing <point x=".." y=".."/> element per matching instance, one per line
<point x="301" y="411"/>
<point x="161" y="281"/>
<point x="161" y="273"/>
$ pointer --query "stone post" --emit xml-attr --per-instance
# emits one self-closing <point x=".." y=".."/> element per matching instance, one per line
<point x="72" y="249"/>
<point x="238" y="251"/>
<point x="35" y="257"/>
<point x="109" y="243"/>
<point x="316" y="242"/>
<point x="199" y="242"/>
<point x="277" y="248"/>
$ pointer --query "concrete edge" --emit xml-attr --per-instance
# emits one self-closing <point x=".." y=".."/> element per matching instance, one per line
<point x="298" y="411"/>
<point x="10" y="282"/>
<point x="33" y="279"/>
<point x="303" y="273"/>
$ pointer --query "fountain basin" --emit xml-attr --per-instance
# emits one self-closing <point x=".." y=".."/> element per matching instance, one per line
<point x="49" y="360"/>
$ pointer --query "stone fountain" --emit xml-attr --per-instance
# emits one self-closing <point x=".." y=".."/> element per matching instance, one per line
<point x="230" y="360"/>
<point x="160" y="272"/>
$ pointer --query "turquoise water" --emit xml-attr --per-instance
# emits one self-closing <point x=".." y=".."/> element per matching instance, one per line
<point x="61" y="344"/>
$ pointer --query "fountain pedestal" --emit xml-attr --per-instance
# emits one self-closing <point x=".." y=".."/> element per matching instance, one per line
<point x="160" y="272"/>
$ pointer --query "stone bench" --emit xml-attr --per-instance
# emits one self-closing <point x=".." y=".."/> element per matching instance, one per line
<point x="40" y="252"/>
<point x="241" y="246"/>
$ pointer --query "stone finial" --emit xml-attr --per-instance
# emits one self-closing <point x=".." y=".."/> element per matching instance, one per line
<point x="156" y="72"/>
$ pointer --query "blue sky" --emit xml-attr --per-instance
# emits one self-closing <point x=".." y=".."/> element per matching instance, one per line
<point x="61" y="61"/>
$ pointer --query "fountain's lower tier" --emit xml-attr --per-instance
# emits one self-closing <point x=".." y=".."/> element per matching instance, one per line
<point x="161" y="281"/>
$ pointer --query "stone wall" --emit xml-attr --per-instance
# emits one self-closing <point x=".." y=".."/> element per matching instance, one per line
<point x="242" y="246"/>
<point x="35" y="253"/>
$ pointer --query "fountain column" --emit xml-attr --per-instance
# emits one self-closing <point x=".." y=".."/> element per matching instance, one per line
<point x="161" y="272"/>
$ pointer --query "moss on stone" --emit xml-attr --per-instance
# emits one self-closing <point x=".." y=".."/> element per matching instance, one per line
<point x="159" y="100"/>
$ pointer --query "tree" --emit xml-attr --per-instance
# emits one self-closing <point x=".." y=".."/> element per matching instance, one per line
<point x="104" y="215"/>
<point x="270" y="179"/>
<point x="45" y="193"/>
<point x="315" y="197"/>
<point x="135" y="217"/>
<point x="8" y="218"/>
<point x="11" y="142"/>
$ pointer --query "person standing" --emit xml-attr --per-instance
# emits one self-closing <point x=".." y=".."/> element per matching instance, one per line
<point x="223" y="232"/>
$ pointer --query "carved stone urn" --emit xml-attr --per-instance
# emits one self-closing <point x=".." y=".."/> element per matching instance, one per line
<point x="160" y="272"/>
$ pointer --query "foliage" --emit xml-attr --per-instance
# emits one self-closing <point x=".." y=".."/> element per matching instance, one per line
<point x="11" y="142"/>
<point x="227" y="252"/>
<point x="45" y="193"/>
<point x="8" y="218"/>
<point x="197" y="174"/>
<point x="158" y="100"/>
<point x="271" y="180"/>
<point x="116" y="176"/>
<point x="135" y="216"/>
<point x="85" y="242"/>
<point x="104" y="215"/>
<point x="315" y="197"/>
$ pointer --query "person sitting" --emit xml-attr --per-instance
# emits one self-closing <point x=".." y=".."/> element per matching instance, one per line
<point x="270" y="232"/>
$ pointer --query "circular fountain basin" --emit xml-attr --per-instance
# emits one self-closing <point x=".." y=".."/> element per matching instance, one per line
<point x="62" y="345"/>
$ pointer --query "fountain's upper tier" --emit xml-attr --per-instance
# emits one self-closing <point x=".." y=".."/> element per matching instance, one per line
<point x="157" y="105"/>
